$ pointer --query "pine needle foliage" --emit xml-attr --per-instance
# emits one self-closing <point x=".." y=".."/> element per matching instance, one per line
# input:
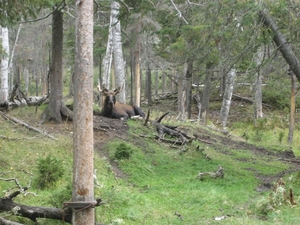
<point x="50" y="170"/>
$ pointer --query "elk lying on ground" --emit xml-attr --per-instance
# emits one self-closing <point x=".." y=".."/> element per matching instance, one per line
<point x="113" y="109"/>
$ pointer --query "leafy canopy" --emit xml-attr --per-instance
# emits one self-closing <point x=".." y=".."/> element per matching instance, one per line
<point x="15" y="11"/>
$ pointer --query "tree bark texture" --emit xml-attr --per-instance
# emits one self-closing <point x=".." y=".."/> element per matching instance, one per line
<point x="118" y="52"/>
<point x="227" y="97"/>
<point x="258" y="91"/>
<point x="137" y="72"/>
<point x="292" y="109"/>
<point x="107" y="61"/>
<point x="206" y="93"/>
<point x="149" y="85"/>
<point x="83" y="166"/>
<point x="56" y="107"/>
<point x="184" y="91"/>
<point x="4" y="64"/>
<point x="282" y="44"/>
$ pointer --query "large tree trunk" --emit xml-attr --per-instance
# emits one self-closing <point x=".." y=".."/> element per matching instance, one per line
<point x="4" y="64"/>
<point x="56" y="107"/>
<point x="227" y="98"/>
<point x="83" y="180"/>
<point x="282" y="44"/>
<point x="118" y="52"/>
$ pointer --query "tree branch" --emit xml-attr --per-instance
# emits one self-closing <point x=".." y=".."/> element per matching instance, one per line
<point x="179" y="13"/>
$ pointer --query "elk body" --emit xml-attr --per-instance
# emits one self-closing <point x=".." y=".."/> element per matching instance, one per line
<point x="113" y="109"/>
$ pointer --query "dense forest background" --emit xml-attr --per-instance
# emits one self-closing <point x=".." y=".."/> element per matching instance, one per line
<point x="178" y="46"/>
<point x="224" y="72"/>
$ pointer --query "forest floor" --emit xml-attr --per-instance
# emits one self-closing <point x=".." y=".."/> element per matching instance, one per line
<point x="106" y="129"/>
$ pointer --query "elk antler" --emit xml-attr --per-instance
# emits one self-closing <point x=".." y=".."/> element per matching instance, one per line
<point x="119" y="89"/>
<point x="104" y="89"/>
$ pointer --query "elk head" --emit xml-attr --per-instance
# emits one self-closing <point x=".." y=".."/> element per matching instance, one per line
<point x="109" y="96"/>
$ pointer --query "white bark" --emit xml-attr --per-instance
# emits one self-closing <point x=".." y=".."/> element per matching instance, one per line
<point x="258" y="92"/>
<point x="227" y="97"/>
<point x="10" y="65"/>
<point x="107" y="61"/>
<point x="117" y="48"/>
<point x="4" y="64"/>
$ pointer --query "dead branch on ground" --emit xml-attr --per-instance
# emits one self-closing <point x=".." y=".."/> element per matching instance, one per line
<point x="7" y="204"/>
<point x="15" y="120"/>
<point x="169" y="130"/>
<point x="218" y="174"/>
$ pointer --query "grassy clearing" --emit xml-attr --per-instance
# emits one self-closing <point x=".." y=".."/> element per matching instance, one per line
<point x="158" y="180"/>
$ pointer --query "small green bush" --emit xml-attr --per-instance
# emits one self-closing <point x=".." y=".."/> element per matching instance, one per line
<point x="50" y="170"/>
<point x="123" y="151"/>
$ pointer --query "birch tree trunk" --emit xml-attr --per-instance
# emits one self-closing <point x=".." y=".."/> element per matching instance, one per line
<point x="227" y="98"/>
<point x="258" y="111"/>
<point x="118" y="52"/>
<point x="137" y="70"/>
<point x="107" y="60"/>
<point x="83" y="152"/>
<point x="4" y="64"/>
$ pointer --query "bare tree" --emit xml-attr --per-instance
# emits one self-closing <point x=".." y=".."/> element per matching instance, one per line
<point x="83" y="180"/>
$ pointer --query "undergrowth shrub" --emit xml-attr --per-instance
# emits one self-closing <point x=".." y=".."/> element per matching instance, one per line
<point x="123" y="151"/>
<point x="50" y="170"/>
<point x="280" y="136"/>
<point x="281" y="195"/>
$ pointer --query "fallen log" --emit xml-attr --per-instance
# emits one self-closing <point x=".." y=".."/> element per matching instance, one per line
<point x="218" y="174"/>
<point x="34" y="212"/>
<point x="30" y="101"/>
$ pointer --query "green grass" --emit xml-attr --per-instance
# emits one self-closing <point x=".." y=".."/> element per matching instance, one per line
<point x="158" y="181"/>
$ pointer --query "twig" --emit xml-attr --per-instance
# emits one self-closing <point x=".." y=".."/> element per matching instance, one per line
<point x="179" y="13"/>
